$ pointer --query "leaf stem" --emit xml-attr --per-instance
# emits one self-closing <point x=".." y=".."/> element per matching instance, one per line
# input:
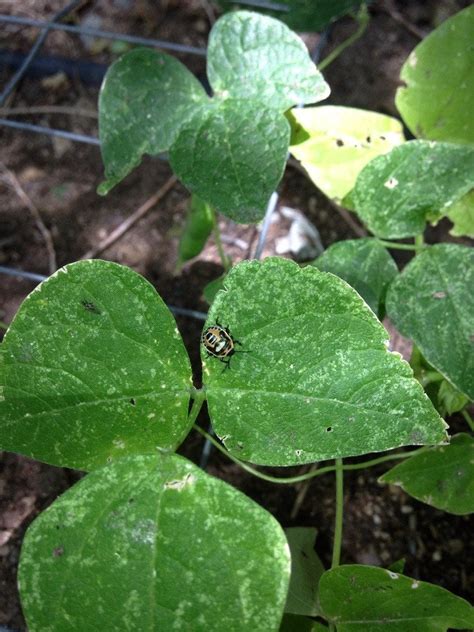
<point x="198" y="396"/>
<point x="468" y="418"/>
<point x="397" y="246"/>
<point x="362" y="18"/>
<point x="217" y="238"/>
<point x="290" y="480"/>
<point x="336" y="548"/>
<point x="419" y="243"/>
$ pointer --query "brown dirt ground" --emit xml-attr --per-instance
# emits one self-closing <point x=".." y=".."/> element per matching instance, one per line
<point x="382" y="524"/>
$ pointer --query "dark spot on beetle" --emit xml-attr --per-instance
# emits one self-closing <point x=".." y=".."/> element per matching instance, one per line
<point x="58" y="551"/>
<point x="339" y="143"/>
<point x="382" y="137"/>
<point x="368" y="139"/>
<point x="329" y="429"/>
<point x="133" y="401"/>
<point x="90" y="307"/>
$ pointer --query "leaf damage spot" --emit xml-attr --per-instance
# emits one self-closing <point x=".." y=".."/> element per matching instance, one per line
<point x="415" y="584"/>
<point x="58" y="551"/>
<point x="440" y="294"/>
<point x="180" y="484"/>
<point x="391" y="183"/>
<point x="392" y="575"/>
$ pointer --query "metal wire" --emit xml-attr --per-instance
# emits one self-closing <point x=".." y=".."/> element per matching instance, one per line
<point x="34" y="49"/>
<point x="85" y="30"/>
<point x="48" y="131"/>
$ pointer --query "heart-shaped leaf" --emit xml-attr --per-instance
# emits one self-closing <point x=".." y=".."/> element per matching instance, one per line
<point x="334" y="143"/>
<point x="230" y="150"/>
<point x="145" y="97"/>
<point x="442" y="477"/>
<point x="396" y="194"/>
<point x="92" y="368"/>
<point x="436" y="102"/>
<point x="365" y="264"/>
<point x="232" y="153"/>
<point x="356" y="598"/>
<point x="312" y="377"/>
<point x="154" y="543"/>
<point x="245" y="63"/>
<point x="432" y="302"/>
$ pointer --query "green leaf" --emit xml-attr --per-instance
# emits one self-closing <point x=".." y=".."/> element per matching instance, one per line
<point x="432" y="302"/>
<point x="306" y="569"/>
<point x="154" y="543"/>
<point x="334" y="143"/>
<point x="211" y="289"/>
<point x="439" y="75"/>
<point x="312" y="378"/>
<point x="442" y="477"/>
<point x="376" y="600"/>
<point x="396" y="194"/>
<point x="461" y="213"/>
<point x="232" y="154"/>
<point x="450" y="400"/>
<point x="92" y="368"/>
<point x="305" y="15"/>
<point x="198" y="227"/>
<point x="398" y="566"/>
<point x="145" y="97"/>
<point x="251" y="56"/>
<point x="365" y="264"/>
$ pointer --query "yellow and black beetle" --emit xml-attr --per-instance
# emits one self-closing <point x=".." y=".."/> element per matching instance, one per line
<point x="218" y="342"/>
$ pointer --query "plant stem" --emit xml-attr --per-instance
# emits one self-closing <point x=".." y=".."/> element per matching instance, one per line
<point x="419" y="243"/>
<point x="362" y="19"/>
<point x="336" y="547"/>
<point x="468" y="418"/>
<point x="198" y="396"/>
<point x="308" y="475"/>
<point x="397" y="246"/>
<point x="217" y="238"/>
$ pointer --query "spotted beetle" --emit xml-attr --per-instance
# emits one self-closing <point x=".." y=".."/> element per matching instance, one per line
<point x="218" y="342"/>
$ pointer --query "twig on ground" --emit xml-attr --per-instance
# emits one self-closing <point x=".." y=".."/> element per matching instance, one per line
<point x="125" y="226"/>
<point x="11" y="179"/>
<point x="396" y="16"/>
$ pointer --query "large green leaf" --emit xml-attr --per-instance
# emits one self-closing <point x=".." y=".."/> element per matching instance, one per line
<point x="315" y="379"/>
<point x="432" y="302"/>
<point x="145" y="97"/>
<point x="461" y="213"/>
<point x="303" y="15"/>
<point x="244" y="63"/>
<point x="230" y="150"/>
<point x="439" y="75"/>
<point x="92" y="368"/>
<point x="396" y="194"/>
<point x="232" y="154"/>
<point x="442" y="477"/>
<point x="334" y="143"/>
<point x="365" y="264"/>
<point x="306" y="569"/>
<point x="154" y="543"/>
<point x="364" y="598"/>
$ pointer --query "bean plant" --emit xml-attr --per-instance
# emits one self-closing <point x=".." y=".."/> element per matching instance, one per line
<point x="95" y="375"/>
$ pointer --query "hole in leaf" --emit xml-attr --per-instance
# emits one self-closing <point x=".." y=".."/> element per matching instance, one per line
<point x="329" y="429"/>
<point x="132" y="401"/>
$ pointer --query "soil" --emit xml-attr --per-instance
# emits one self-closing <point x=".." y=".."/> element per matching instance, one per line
<point x="382" y="523"/>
